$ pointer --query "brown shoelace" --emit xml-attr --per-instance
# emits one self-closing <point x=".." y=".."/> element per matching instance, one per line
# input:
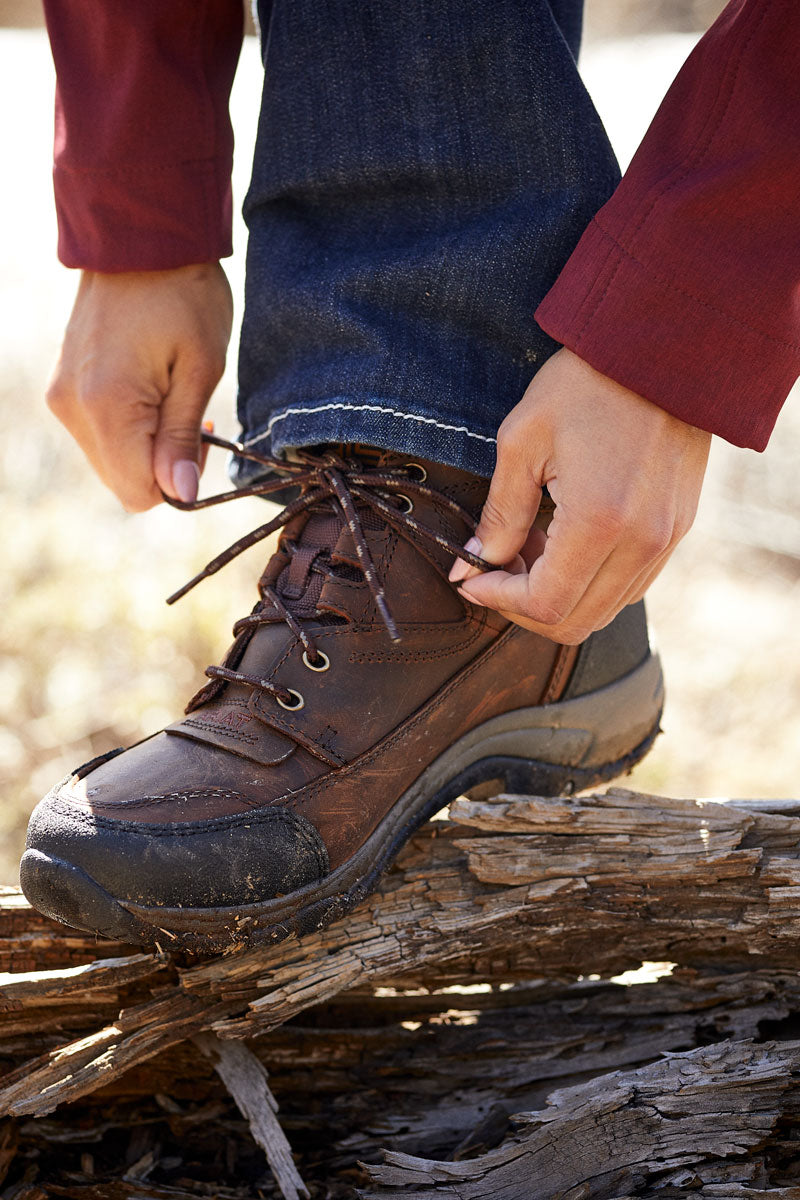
<point x="331" y="480"/>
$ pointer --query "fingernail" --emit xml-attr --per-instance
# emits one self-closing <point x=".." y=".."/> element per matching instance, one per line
<point x="185" y="480"/>
<point x="208" y="426"/>
<point x="460" y="568"/>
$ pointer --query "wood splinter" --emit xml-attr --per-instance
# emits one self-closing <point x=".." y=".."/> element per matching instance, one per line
<point x="248" y="1083"/>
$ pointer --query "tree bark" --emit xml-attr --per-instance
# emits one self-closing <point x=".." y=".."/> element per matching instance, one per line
<point x="517" y="897"/>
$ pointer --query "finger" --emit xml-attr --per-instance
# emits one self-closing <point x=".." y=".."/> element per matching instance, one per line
<point x="623" y="574"/>
<point x="509" y="512"/>
<point x="114" y="424"/>
<point x="682" y="524"/>
<point x="557" y="581"/>
<point x="122" y="456"/>
<point x="177" y="457"/>
<point x="642" y="583"/>
<point x="592" y="612"/>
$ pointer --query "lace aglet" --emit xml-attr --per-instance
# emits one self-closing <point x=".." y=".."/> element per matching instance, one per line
<point x="387" y="618"/>
<point x="181" y="592"/>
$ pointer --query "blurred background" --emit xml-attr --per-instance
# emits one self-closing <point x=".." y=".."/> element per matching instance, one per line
<point x="90" y="656"/>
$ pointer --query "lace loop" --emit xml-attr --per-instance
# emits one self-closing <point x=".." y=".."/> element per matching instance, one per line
<point x="327" y="477"/>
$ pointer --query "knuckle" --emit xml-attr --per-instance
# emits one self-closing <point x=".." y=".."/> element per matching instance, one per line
<point x="654" y="539"/>
<point x="58" y="397"/>
<point x="490" y="513"/>
<point x="509" y="441"/>
<point x="611" y="521"/>
<point x="683" y="524"/>
<point x="179" y="427"/>
<point x="216" y="367"/>
<point x="495" y="516"/>
<point x="549" y="615"/>
<point x="176" y="432"/>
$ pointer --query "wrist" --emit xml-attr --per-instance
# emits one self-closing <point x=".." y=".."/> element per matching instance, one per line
<point x="604" y="387"/>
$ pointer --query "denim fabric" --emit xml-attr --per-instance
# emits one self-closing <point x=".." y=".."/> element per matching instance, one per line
<point x="422" y="171"/>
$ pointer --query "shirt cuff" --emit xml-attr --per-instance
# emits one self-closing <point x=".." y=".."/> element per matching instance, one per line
<point x="158" y="219"/>
<point x="645" y="331"/>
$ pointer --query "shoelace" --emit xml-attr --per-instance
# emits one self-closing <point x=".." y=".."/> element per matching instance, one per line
<point x="326" y="479"/>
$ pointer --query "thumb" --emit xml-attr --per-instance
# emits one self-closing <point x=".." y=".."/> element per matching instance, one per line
<point x="176" y="450"/>
<point x="508" y="514"/>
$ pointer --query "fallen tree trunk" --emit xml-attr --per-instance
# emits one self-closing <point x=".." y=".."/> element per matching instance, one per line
<point x="507" y="892"/>
<point x="665" y="1125"/>
<point x="438" y="1076"/>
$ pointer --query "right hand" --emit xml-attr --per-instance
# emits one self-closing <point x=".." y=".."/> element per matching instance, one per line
<point x="141" y="355"/>
<point x="625" y="476"/>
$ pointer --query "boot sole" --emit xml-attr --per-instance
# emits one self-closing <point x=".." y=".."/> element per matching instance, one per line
<point x="549" y="750"/>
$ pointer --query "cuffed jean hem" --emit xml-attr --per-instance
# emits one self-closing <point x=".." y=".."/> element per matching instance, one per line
<point x="374" y="422"/>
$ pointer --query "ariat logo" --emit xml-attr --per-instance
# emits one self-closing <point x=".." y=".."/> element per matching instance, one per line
<point x="230" y="718"/>
<point x="227" y="720"/>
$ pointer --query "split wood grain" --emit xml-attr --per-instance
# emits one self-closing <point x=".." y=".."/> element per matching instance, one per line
<point x="619" y="1135"/>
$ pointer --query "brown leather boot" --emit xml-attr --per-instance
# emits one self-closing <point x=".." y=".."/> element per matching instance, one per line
<point x="360" y="696"/>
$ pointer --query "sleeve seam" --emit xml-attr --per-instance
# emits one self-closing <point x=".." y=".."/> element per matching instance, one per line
<point x="673" y="287"/>
<point x="698" y="151"/>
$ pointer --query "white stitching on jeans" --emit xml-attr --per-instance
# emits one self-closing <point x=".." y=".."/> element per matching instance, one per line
<point x="392" y="412"/>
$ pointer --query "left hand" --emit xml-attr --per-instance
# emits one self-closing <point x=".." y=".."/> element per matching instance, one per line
<point x="142" y="354"/>
<point x="625" y="476"/>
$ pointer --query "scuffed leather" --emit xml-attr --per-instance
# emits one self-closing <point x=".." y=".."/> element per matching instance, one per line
<point x="205" y="863"/>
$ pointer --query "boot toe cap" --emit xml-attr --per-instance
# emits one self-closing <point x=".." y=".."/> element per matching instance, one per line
<point x="219" y="862"/>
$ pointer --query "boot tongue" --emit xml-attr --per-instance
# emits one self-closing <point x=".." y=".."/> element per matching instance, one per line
<point x="298" y="584"/>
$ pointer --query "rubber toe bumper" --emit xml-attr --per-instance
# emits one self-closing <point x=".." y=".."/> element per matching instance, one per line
<point x="227" y="861"/>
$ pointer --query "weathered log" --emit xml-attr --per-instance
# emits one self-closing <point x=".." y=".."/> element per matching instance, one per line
<point x="439" y="1075"/>
<point x="668" y="1123"/>
<point x="359" y="1075"/>
<point x="508" y="891"/>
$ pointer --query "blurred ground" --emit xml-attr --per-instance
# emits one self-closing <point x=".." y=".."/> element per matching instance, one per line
<point x="89" y="655"/>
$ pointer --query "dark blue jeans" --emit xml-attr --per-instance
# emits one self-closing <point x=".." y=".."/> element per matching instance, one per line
<point x="422" y="171"/>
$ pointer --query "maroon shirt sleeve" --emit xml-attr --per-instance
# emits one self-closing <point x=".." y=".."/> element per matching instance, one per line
<point x="686" y="286"/>
<point x="143" y="141"/>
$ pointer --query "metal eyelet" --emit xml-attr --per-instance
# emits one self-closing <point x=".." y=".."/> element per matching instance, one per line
<point x="408" y="506"/>
<point x="423" y="474"/>
<point x="321" y="664"/>
<point x="298" y="701"/>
